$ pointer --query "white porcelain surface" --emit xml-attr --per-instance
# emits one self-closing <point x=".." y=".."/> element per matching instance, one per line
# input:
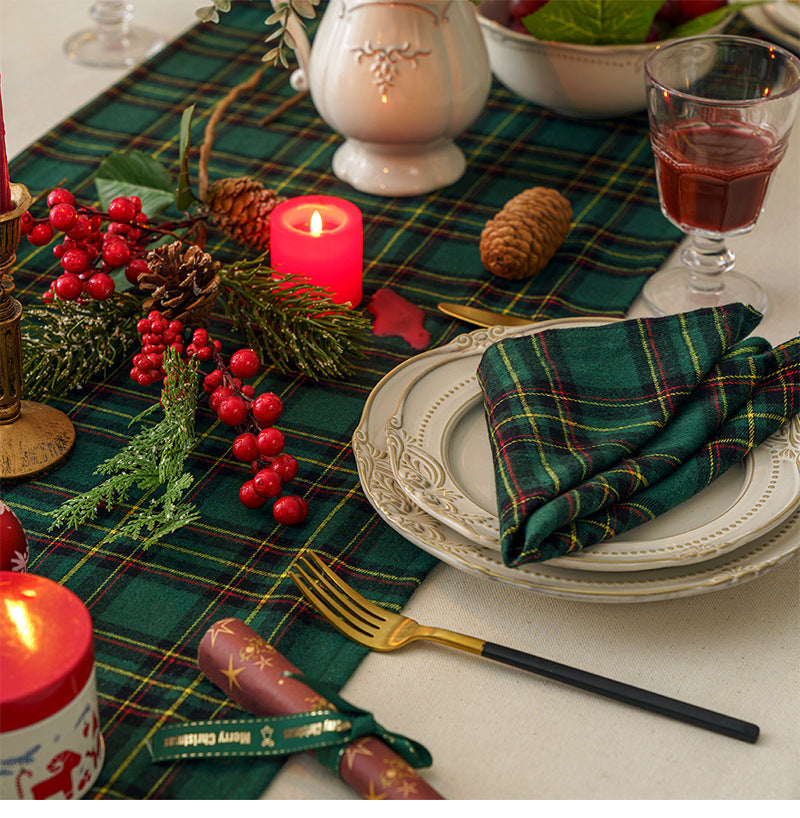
<point x="441" y="458"/>
<point x="399" y="80"/>
<point x="582" y="81"/>
<point x="380" y="486"/>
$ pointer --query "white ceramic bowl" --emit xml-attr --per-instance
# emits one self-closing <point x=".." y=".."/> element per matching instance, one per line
<point x="583" y="81"/>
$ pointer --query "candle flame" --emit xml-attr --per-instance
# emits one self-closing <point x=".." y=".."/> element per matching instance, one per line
<point x="315" y="225"/>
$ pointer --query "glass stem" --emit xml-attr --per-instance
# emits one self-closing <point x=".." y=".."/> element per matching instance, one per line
<point x="112" y="18"/>
<point x="707" y="259"/>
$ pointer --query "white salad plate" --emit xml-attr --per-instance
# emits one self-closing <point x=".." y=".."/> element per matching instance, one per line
<point x="440" y="455"/>
<point x="370" y="448"/>
<point x="785" y="14"/>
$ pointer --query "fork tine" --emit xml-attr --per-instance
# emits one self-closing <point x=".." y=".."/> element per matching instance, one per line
<point x="331" y="580"/>
<point x="331" y="614"/>
<point x="333" y="599"/>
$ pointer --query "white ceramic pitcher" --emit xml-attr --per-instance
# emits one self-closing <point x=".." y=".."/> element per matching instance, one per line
<point x="399" y="79"/>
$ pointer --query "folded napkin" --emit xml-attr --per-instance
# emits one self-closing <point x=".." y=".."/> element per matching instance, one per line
<point x="595" y="430"/>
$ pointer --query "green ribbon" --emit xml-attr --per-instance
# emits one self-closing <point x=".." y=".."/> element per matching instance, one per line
<point x="326" y="730"/>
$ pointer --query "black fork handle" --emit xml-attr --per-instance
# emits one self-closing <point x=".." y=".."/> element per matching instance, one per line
<point x="689" y="713"/>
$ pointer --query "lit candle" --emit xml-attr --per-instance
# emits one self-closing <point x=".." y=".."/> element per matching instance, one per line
<point x="6" y="203"/>
<point x="320" y="239"/>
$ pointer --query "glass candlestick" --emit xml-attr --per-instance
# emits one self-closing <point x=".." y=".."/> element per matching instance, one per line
<point x="112" y="42"/>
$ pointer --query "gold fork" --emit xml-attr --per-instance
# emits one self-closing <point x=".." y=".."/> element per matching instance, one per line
<point x="378" y="629"/>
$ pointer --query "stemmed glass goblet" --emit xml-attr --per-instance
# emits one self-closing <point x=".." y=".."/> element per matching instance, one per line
<point x="113" y="42"/>
<point x="721" y="109"/>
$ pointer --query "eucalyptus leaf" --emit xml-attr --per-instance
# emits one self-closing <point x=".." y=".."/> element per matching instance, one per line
<point x="593" y="22"/>
<point x="184" y="197"/>
<point x="223" y="5"/>
<point x="207" y="14"/>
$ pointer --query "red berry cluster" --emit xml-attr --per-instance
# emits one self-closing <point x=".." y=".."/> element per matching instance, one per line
<point x="89" y="252"/>
<point x="157" y="336"/>
<point x="236" y="404"/>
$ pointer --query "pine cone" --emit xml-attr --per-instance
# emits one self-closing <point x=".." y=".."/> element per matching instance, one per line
<point x="182" y="283"/>
<point x="240" y="208"/>
<point x="519" y="241"/>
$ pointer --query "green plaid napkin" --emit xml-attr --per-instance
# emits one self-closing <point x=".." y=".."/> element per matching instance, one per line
<point x="596" y="430"/>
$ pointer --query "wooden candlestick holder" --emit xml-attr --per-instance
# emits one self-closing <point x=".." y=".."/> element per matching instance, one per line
<point x="34" y="438"/>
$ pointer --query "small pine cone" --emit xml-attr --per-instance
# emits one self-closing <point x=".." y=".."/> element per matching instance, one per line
<point x="182" y="284"/>
<point x="240" y="208"/>
<point x="519" y="241"/>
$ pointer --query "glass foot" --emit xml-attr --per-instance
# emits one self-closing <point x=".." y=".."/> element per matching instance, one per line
<point x="670" y="291"/>
<point x="97" y="51"/>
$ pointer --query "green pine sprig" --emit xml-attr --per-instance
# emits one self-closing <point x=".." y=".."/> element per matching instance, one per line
<point x="65" y="344"/>
<point x="298" y="327"/>
<point x="153" y="460"/>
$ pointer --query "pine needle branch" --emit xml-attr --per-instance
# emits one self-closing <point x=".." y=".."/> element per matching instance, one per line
<point x="65" y="344"/>
<point x="153" y="459"/>
<point x="296" y="326"/>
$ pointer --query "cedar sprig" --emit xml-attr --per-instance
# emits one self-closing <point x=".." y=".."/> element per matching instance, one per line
<point x="295" y="325"/>
<point x="65" y="344"/>
<point x="154" y="459"/>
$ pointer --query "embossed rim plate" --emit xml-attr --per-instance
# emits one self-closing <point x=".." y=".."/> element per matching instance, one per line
<point x="421" y="529"/>
<point x="439" y="453"/>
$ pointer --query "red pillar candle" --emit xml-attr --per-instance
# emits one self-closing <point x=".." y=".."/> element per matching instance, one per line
<point x="320" y="238"/>
<point x="6" y="203"/>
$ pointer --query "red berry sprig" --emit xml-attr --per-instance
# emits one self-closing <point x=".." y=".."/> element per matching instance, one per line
<point x="95" y="243"/>
<point x="258" y="442"/>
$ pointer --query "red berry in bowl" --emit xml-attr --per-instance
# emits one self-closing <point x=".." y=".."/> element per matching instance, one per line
<point x="270" y="442"/>
<point x="245" y="363"/>
<point x="232" y="411"/>
<point x="245" y="448"/>
<point x="267" y="408"/>
<point x="267" y="483"/>
<point x="290" y="510"/>
<point x="249" y="497"/>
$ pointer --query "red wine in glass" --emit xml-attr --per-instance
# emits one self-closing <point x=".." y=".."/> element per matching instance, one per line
<point x="721" y="109"/>
<point x="714" y="177"/>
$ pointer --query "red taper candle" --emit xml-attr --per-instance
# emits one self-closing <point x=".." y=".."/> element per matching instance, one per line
<point x="6" y="202"/>
<point x="253" y="674"/>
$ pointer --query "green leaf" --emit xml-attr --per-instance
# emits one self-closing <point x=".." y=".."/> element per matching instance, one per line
<point x="134" y="173"/>
<point x="593" y="22"/>
<point x="184" y="197"/>
<point x="705" y="21"/>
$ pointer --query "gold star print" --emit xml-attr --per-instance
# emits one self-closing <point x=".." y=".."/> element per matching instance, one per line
<point x="407" y="788"/>
<point x="231" y="673"/>
<point x="220" y="627"/>
<point x="357" y="748"/>
<point x="372" y="795"/>
<point x="263" y="661"/>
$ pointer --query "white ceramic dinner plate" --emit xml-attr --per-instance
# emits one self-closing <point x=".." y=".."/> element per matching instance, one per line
<point x="757" y="16"/>
<point x="785" y="14"/>
<point x="747" y="562"/>
<point x="441" y="458"/>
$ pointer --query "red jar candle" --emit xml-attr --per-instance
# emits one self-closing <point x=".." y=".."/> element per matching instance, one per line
<point x="321" y="239"/>
<point x="50" y="740"/>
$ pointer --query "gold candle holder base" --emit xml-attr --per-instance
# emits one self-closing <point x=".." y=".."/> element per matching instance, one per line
<point x="34" y="438"/>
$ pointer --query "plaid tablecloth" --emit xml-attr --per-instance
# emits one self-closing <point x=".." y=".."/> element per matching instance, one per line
<point x="150" y="609"/>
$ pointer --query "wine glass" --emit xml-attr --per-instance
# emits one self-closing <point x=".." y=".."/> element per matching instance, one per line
<point x="113" y="42"/>
<point x="720" y="108"/>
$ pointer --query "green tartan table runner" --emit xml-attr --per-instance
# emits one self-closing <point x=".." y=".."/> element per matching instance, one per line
<point x="150" y="609"/>
<point x="595" y="430"/>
